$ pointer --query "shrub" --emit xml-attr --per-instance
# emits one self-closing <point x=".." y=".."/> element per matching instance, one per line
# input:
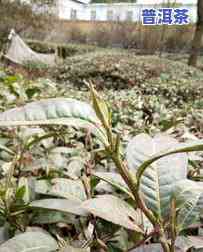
<point x="19" y="16"/>
<point x="149" y="75"/>
<point x="156" y="200"/>
<point x="64" y="50"/>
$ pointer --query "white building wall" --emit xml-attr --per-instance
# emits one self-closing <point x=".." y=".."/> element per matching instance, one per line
<point x="119" y="10"/>
<point x="65" y="6"/>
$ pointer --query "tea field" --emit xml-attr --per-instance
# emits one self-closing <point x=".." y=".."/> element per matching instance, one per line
<point x="51" y="170"/>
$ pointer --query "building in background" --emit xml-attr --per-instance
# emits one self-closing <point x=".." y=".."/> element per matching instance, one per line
<point x="84" y="10"/>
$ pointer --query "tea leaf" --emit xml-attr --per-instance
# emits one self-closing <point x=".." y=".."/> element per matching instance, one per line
<point x="62" y="205"/>
<point x="62" y="187"/>
<point x="115" y="180"/>
<point x="115" y="210"/>
<point x="30" y="241"/>
<point x="157" y="180"/>
<point x="56" y="111"/>
<point x="187" y="194"/>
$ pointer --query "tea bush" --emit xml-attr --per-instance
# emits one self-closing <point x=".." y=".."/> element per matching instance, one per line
<point x="149" y="75"/>
<point x="51" y="179"/>
<point x="56" y="179"/>
<point x="66" y="50"/>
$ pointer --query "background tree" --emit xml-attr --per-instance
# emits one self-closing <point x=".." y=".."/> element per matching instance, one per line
<point x="23" y="18"/>
<point x="197" y="40"/>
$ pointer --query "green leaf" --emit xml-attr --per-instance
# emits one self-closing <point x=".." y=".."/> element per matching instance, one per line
<point x="72" y="249"/>
<point x="51" y="217"/>
<point x="115" y="180"/>
<point x="157" y="180"/>
<point x="30" y="92"/>
<point x="100" y="107"/>
<point x="62" y="205"/>
<point x="58" y="111"/>
<point x="30" y="241"/>
<point x="4" y="234"/>
<point x="179" y="148"/>
<point x="66" y="188"/>
<point x="113" y="248"/>
<point x="20" y="192"/>
<point x="115" y="210"/>
<point x="187" y="242"/>
<point x="156" y="247"/>
<point x="28" y="184"/>
<point x="4" y="148"/>
<point x="187" y="194"/>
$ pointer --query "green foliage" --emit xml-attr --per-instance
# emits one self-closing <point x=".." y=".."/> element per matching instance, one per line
<point x="157" y="181"/>
<point x="18" y="15"/>
<point x="142" y="151"/>
<point x="54" y="168"/>
<point x="149" y="75"/>
<point x="32" y="66"/>
<point x="64" y="50"/>
<point x="123" y="214"/>
<point x="30" y="241"/>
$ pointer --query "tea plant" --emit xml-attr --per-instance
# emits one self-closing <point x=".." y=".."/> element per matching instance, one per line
<point x="153" y="179"/>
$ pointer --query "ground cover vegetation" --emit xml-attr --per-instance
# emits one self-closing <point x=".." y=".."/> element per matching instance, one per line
<point x="102" y="152"/>
<point x="84" y="171"/>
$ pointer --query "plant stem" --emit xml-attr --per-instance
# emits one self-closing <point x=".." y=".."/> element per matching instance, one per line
<point x="123" y="170"/>
<point x="113" y="149"/>
<point x="163" y="241"/>
<point x="141" y="242"/>
<point x="11" y="172"/>
<point x="130" y="181"/>
<point x="173" y="224"/>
